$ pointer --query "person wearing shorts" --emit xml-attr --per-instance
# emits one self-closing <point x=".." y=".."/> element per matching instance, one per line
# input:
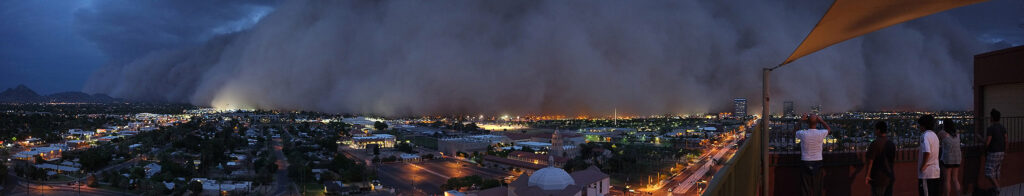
<point x="950" y="158"/>
<point x="995" y="146"/>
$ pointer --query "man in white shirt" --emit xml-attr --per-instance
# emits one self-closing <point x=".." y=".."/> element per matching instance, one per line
<point x="811" y="140"/>
<point x="928" y="163"/>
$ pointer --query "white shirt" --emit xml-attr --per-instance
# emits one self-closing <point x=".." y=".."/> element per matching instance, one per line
<point x="929" y="144"/>
<point x="810" y="143"/>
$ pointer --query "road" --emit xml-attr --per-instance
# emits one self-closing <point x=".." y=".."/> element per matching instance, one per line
<point x="426" y="177"/>
<point x="62" y="187"/>
<point x="684" y="182"/>
<point x="282" y="184"/>
<point x="59" y="189"/>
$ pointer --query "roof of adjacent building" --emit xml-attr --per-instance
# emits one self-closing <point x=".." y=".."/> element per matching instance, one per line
<point x="533" y="156"/>
<point x="496" y="191"/>
<point x="551" y="178"/>
<point x="375" y="137"/>
<point x="515" y="163"/>
<point x="582" y="178"/>
<point x="589" y="176"/>
<point x="522" y="136"/>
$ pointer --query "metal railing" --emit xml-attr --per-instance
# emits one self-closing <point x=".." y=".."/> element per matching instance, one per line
<point x="738" y="176"/>
<point x="855" y="135"/>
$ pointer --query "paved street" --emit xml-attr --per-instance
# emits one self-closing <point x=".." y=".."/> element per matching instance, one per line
<point x="426" y="178"/>
<point x="685" y="182"/>
<point x="282" y="184"/>
<point x="60" y="189"/>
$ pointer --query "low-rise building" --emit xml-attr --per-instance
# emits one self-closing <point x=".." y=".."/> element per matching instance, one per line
<point x="491" y="161"/>
<point x="77" y="144"/>
<point x="451" y="146"/>
<point x="541" y="159"/>
<point x="381" y="140"/>
<point x="152" y="169"/>
<point x="47" y="153"/>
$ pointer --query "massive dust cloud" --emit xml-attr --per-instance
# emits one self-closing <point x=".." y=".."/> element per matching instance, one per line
<point x="401" y="58"/>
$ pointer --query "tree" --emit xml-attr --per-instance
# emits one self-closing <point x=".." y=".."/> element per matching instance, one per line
<point x="137" y="173"/>
<point x="379" y="125"/>
<point x="341" y="163"/>
<point x="489" y="183"/>
<point x="3" y="170"/>
<point x="405" y="147"/>
<point x="355" y="174"/>
<point x="468" y="181"/>
<point x="528" y="149"/>
<point x="91" y="181"/>
<point x="39" y="159"/>
<point x="329" y="143"/>
<point x="196" y="187"/>
<point x="471" y="127"/>
<point x="95" y="158"/>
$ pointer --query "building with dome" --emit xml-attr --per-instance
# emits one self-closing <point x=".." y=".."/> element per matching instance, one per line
<point x="553" y="181"/>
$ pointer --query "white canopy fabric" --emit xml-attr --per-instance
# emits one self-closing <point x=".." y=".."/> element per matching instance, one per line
<point x="847" y="19"/>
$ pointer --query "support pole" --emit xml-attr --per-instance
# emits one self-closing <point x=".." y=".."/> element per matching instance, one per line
<point x="765" y="116"/>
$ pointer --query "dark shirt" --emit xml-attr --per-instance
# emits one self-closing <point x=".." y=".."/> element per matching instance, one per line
<point x="882" y="152"/>
<point x="998" y="134"/>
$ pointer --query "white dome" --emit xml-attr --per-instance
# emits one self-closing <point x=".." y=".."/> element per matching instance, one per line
<point x="550" y="178"/>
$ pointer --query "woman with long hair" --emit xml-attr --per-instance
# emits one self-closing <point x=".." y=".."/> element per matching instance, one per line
<point x="949" y="158"/>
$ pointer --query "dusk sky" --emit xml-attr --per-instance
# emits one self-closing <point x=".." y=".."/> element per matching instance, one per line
<point x="55" y="46"/>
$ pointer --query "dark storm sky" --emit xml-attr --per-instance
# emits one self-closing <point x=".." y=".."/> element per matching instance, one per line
<point x="54" y="46"/>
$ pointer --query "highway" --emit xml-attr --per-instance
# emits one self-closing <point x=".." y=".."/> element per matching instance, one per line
<point x="684" y="182"/>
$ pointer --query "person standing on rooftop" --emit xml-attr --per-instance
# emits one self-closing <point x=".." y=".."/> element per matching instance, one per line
<point x="811" y="140"/>
<point x="879" y="161"/>
<point x="928" y="175"/>
<point x="949" y="158"/>
<point x="995" y="146"/>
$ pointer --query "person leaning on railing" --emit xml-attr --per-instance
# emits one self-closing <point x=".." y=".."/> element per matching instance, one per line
<point x="811" y="140"/>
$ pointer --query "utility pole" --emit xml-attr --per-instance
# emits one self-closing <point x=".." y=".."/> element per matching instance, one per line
<point x="80" y="183"/>
<point x="765" y="115"/>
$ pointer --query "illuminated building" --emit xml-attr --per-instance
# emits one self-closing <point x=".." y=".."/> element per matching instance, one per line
<point x="47" y="153"/>
<point x="540" y="159"/>
<point x="787" y="109"/>
<point x="739" y="107"/>
<point x="381" y="140"/>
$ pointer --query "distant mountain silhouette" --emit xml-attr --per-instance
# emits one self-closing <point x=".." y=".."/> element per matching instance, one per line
<point x="22" y="94"/>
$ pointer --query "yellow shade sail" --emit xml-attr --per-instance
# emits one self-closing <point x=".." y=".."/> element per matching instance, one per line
<point x="847" y="19"/>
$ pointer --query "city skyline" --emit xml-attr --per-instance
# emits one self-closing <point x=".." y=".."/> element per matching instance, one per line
<point x="511" y="98"/>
